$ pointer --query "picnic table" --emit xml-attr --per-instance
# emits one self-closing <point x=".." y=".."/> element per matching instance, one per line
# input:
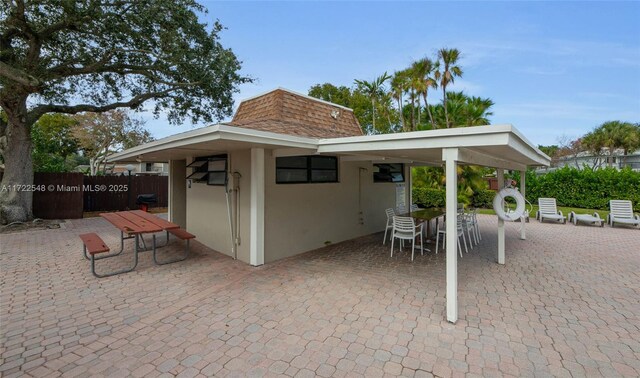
<point x="134" y="224"/>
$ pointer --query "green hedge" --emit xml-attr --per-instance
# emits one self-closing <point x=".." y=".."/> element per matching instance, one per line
<point x="429" y="197"/>
<point x="585" y="188"/>
<point x="571" y="187"/>
<point x="483" y="199"/>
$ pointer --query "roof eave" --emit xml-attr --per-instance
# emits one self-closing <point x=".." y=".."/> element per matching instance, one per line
<point x="211" y="133"/>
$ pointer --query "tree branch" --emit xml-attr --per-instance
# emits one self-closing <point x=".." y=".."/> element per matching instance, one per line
<point x="39" y="110"/>
<point x="18" y="76"/>
<point x="64" y="24"/>
<point x="67" y="68"/>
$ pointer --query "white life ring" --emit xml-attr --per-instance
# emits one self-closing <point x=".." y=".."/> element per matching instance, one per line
<point x="499" y="209"/>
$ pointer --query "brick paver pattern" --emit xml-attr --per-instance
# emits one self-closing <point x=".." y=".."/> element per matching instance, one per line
<point x="567" y="303"/>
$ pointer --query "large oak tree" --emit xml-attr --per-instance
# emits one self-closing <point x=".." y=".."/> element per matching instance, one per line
<point x="67" y="56"/>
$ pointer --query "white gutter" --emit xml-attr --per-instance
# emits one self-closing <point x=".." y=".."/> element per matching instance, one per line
<point x="216" y="132"/>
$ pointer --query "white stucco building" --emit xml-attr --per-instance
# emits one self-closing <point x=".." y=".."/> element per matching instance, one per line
<point x="291" y="173"/>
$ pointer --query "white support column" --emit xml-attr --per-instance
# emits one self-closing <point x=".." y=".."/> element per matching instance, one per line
<point x="501" y="235"/>
<point x="523" y="231"/>
<point x="450" y="156"/>
<point x="410" y="188"/>
<point x="256" y="223"/>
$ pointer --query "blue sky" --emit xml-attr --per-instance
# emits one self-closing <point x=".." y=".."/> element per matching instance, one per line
<point x="553" y="68"/>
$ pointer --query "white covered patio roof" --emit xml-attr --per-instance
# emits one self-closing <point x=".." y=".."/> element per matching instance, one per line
<point x="500" y="146"/>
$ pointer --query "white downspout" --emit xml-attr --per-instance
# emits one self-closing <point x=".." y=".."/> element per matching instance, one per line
<point x="234" y="223"/>
<point x="236" y="195"/>
<point x="233" y="243"/>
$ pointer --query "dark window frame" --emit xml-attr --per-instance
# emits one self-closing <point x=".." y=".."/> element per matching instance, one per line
<point x="309" y="168"/>
<point x="378" y="180"/>
<point x="201" y="165"/>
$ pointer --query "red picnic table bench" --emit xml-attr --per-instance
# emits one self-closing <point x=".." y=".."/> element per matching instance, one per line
<point x="133" y="224"/>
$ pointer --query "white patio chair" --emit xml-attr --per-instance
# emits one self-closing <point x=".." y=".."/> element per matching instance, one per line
<point x="622" y="213"/>
<point x="469" y="224"/>
<point x="443" y="231"/>
<point x="390" y="214"/>
<point x="547" y="209"/>
<point x="414" y="207"/>
<point x="474" y="218"/>
<point x="405" y="229"/>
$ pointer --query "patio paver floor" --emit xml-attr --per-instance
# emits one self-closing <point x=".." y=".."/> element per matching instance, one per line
<point x="567" y="303"/>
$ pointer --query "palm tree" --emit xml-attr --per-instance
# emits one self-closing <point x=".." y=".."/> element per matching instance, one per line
<point x="399" y="85"/>
<point x="413" y="94"/>
<point x="450" y="69"/>
<point x="477" y="111"/>
<point x="424" y="70"/>
<point x="374" y="90"/>
<point x="613" y="135"/>
<point x="386" y="106"/>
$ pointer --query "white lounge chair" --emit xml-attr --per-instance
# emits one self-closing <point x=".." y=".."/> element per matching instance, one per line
<point x="586" y="218"/>
<point x="405" y="229"/>
<point x="547" y="209"/>
<point x="622" y="213"/>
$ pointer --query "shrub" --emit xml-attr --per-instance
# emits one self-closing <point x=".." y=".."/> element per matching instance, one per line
<point x="429" y="197"/>
<point x="585" y="188"/>
<point x="571" y="187"/>
<point x="483" y="198"/>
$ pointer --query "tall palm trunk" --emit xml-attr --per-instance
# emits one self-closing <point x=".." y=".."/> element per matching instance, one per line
<point x="373" y="113"/>
<point x="611" y="148"/>
<point x="426" y="105"/>
<point x="401" y="113"/>
<point x="419" y="111"/>
<point x="444" y="100"/>
<point x="413" y="110"/>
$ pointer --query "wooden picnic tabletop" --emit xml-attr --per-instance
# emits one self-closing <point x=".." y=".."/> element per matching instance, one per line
<point x="131" y="223"/>
<point x="165" y="224"/>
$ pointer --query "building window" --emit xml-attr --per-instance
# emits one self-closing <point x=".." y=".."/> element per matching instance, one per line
<point x="209" y="169"/>
<point x="306" y="169"/>
<point x="388" y="172"/>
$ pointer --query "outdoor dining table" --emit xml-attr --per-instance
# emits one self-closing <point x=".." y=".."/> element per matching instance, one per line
<point x="425" y="216"/>
<point x="134" y="224"/>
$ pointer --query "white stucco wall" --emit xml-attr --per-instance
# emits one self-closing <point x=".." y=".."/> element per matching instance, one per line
<point x="302" y="217"/>
<point x="298" y="217"/>
<point x="207" y="215"/>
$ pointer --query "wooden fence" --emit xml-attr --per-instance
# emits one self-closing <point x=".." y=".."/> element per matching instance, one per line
<point x="68" y="195"/>
<point x="58" y="195"/>
<point x="105" y="193"/>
